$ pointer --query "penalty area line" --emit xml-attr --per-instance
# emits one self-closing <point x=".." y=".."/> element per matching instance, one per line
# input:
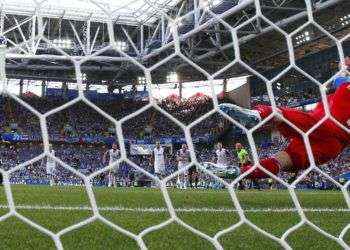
<point x="164" y="209"/>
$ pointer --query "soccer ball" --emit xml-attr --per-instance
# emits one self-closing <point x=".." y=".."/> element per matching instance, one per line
<point x="231" y="172"/>
<point x="3" y="41"/>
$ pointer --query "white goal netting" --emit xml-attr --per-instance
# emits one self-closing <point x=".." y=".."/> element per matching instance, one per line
<point x="175" y="42"/>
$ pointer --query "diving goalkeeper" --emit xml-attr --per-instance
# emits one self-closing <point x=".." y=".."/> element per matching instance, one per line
<point x="327" y="141"/>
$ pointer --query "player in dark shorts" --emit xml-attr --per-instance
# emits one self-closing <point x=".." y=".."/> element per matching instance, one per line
<point x="193" y="175"/>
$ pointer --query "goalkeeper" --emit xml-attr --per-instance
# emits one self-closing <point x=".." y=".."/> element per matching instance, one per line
<point x="327" y="141"/>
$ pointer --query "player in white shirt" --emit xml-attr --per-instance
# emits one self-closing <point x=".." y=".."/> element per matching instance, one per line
<point x="159" y="160"/>
<point x="221" y="163"/>
<point x="183" y="158"/>
<point x="113" y="155"/>
<point x="51" y="166"/>
<point x="221" y="156"/>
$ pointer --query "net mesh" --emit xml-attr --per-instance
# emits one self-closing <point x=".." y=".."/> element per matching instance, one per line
<point x="152" y="103"/>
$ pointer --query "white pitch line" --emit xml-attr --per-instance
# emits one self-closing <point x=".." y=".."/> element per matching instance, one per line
<point x="163" y="209"/>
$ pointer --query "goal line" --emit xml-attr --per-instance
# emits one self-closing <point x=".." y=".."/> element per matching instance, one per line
<point x="164" y="209"/>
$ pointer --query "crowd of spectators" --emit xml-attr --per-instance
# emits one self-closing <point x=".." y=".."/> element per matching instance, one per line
<point x="189" y="109"/>
<point x="81" y="120"/>
<point x="291" y="99"/>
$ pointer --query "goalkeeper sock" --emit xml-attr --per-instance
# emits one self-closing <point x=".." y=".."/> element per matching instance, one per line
<point x="270" y="164"/>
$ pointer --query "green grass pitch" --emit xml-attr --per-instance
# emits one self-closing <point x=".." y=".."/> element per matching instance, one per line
<point x="211" y="211"/>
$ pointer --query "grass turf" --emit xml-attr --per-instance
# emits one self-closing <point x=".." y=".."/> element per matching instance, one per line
<point x="16" y="234"/>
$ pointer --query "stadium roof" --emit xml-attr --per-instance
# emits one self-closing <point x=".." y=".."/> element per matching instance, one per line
<point x="209" y="46"/>
<point x="126" y="11"/>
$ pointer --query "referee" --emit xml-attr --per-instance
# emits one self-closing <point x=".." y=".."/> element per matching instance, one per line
<point x="242" y="155"/>
<point x="244" y="160"/>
